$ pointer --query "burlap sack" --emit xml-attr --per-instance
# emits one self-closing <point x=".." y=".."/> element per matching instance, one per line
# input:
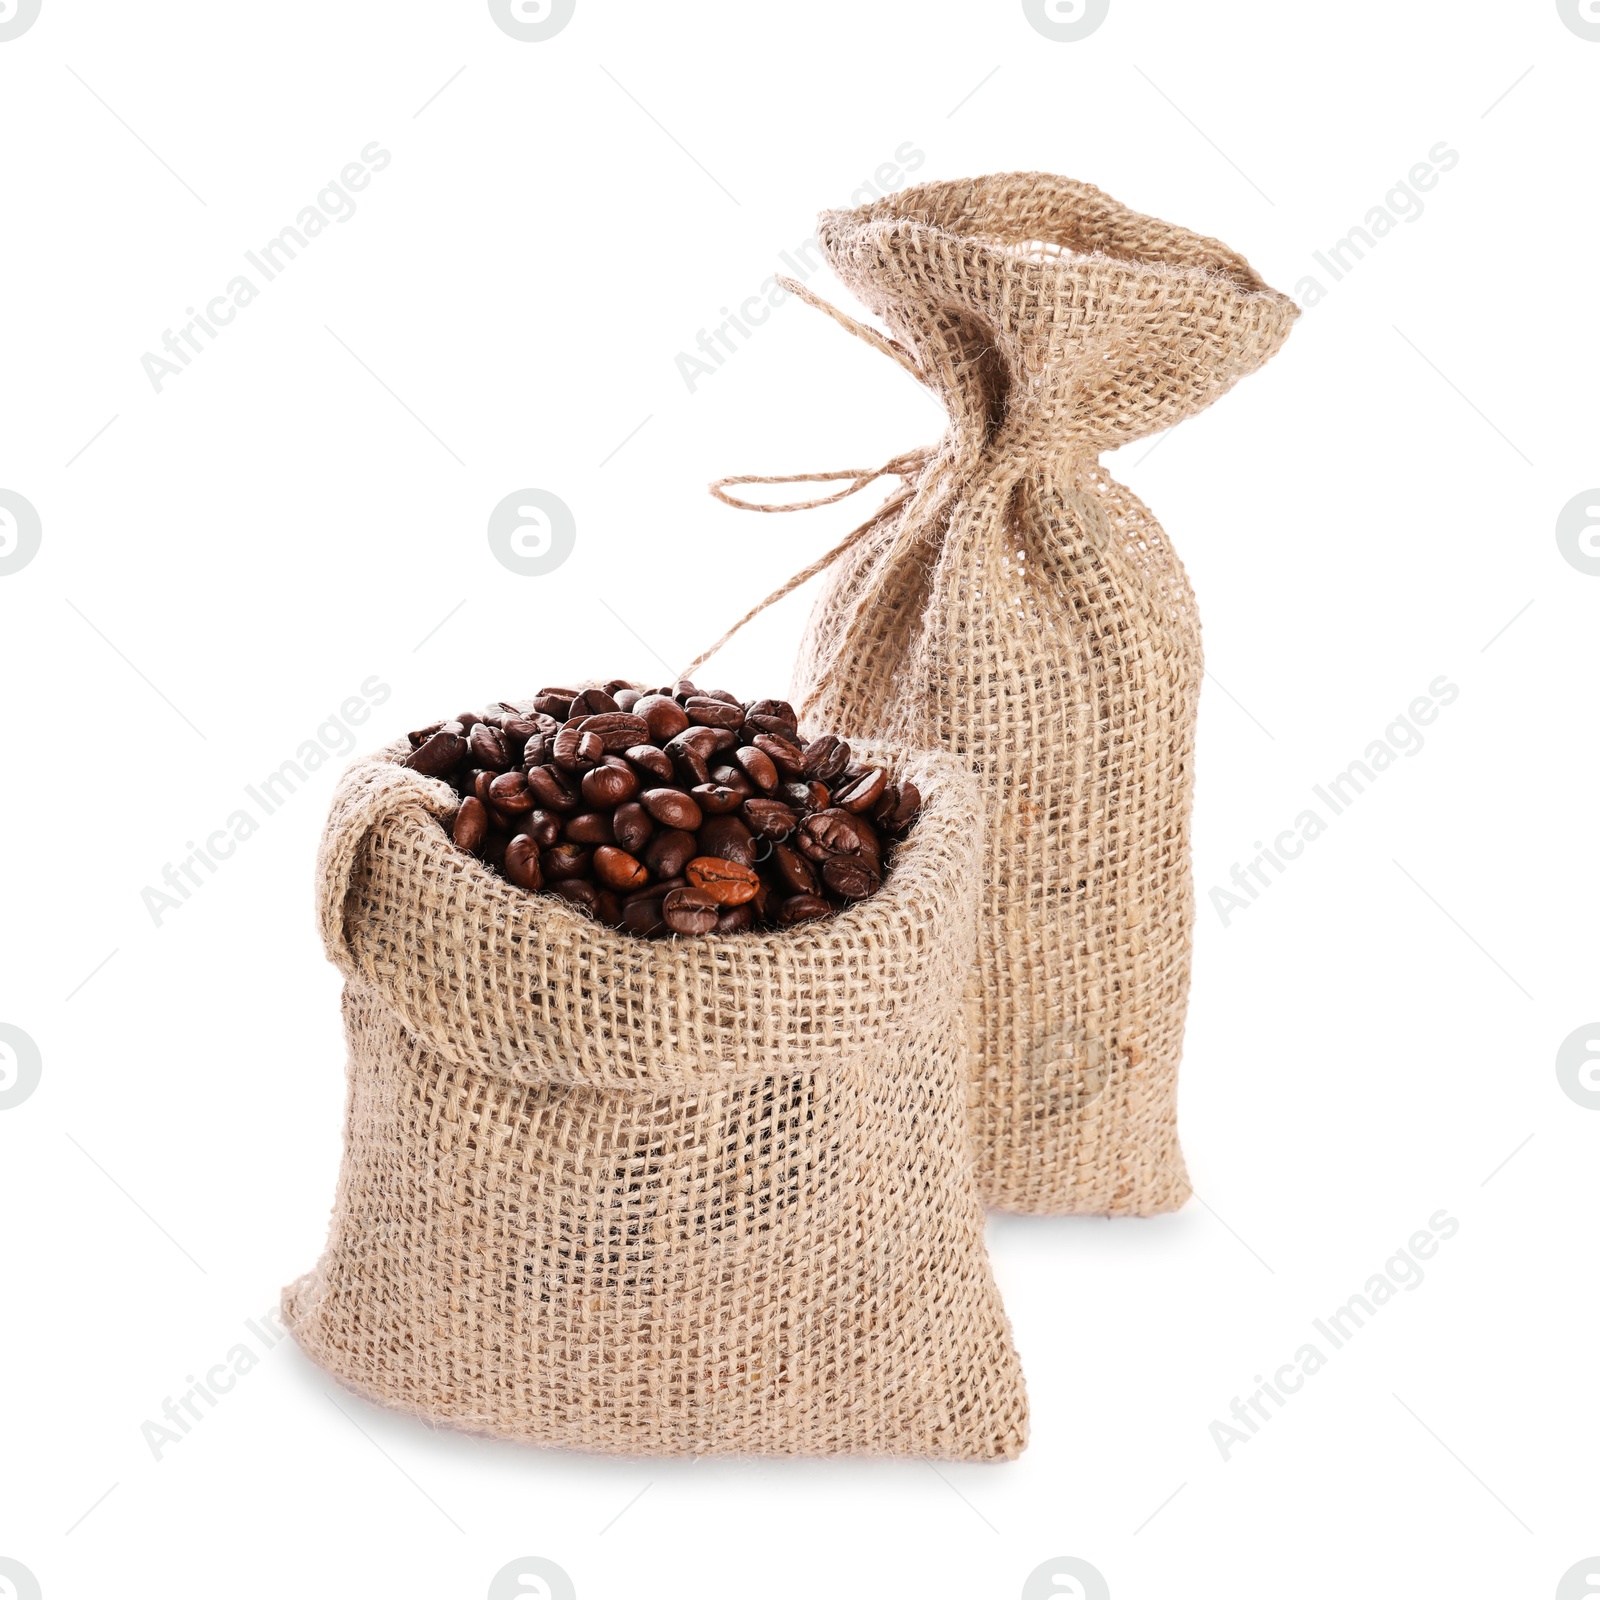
<point x="1016" y="605"/>
<point x="686" y="1196"/>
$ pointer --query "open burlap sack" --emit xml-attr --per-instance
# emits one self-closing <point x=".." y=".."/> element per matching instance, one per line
<point x="1017" y="606"/>
<point x="685" y="1196"/>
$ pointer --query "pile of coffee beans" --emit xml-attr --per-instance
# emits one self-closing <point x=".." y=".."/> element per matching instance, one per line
<point x="668" y="811"/>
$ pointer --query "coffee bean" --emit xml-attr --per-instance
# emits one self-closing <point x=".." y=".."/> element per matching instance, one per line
<point x="690" y="911"/>
<point x="580" y="893"/>
<point x="439" y="754"/>
<point x="487" y="747"/>
<point x="835" y="832"/>
<point x="775" y="726"/>
<point x="688" y="764"/>
<point x="802" y="908"/>
<point x="715" y="799"/>
<point x="672" y="808"/>
<point x="509" y="793"/>
<point x="555" y="703"/>
<point x="853" y="877"/>
<point x="591" y="702"/>
<point x="777" y="710"/>
<point x="609" y="784"/>
<point x="616" y="730"/>
<point x="826" y="758"/>
<point x="643" y="918"/>
<point x="543" y="827"/>
<point x="423" y="735"/>
<point x="862" y="794"/>
<point x="480" y="779"/>
<point x="577" y="751"/>
<point x="588" y="827"/>
<point x="910" y="803"/>
<point x="728" y="838"/>
<point x="736" y="919"/>
<point x="632" y="825"/>
<point x="471" y="824"/>
<point x="649" y="762"/>
<point x="707" y="712"/>
<point x="522" y="864"/>
<point x="663" y="716"/>
<point x="728" y="883"/>
<point x="669" y="853"/>
<point x="733" y="778"/>
<point x="786" y="756"/>
<point x="792" y="871"/>
<point x="553" y="789"/>
<point x="566" y="860"/>
<point x="770" y="819"/>
<point x="758" y="767"/>
<point x="665" y="886"/>
<point x="626" y="699"/>
<point x="616" y="869"/>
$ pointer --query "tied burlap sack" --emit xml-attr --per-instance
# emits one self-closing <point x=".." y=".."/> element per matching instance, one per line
<point x="682" y="1196"/>
<point x="1017" y="606"/>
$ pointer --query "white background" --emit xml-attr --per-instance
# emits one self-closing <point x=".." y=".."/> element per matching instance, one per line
<point x="1373" y="1040"/>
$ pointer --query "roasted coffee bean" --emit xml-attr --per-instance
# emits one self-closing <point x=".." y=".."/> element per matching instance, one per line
<point x="786" y="756"/>
<point x="608" y="908"/>
<point x="539" y="749"/>
<point x="690" y="911"/>
<point x="728" y="883"/>
<point x="577" y="751"/>
<point x="862" y="794"/>
<point x="609" y="784"/>
<point x="543" y="827"/>
<point x="616" y="869"/>
<point x="487" y="747"/>
<point x="554" y="790"/>
<point x="439" y="754"/>
<point x="708" y="712"/>
<point x="792" y="871"/>
<point x="632" y="825"/>
<point x="729" y="838"/>
<point x="769" y="819"/>
<point x="778" y="729"/>
<point x="826" y="758"/>
<point x="758" y="767"/>
<point x="522" y="864"/>
<point x="626" y="699"/>
<point x="643" y="917"/>
<point x="736" y="919"/>
<point x="665" y="886"/>
<point x="566" y="860"/>
<point x="509" y="793"/>
<point x="715" y="799"/>
<point x="777" y="710"/>
<point x="682" y="690"/>
<point x="591" y="702"/>
<point x="688" y="764"/>
<point x="669" y="853"/>
<point x="616" y="730"/>
<point x="802" y="908"/>
<point x="588" y="827"/>
<point x="471" y="824"/>
<point x="733" y="778"/>
<point x="423" y="735"/>
<point x="853" y="877"/>
<point x="710" y="742"/>
<point x="479" y="781"/>
<point x="581" y="893"/>
<point x="672" y="808"/>
<point x="663" y="716"/>
<point x="905" y="811"/>
<point x="835" y="832"/>
<point x="654" y="765"/>
<point x="555" y="703"/>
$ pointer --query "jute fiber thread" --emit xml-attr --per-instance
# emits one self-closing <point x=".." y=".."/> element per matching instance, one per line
<point x="681" y="1196"/>
<point x="1015" y="605"/>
